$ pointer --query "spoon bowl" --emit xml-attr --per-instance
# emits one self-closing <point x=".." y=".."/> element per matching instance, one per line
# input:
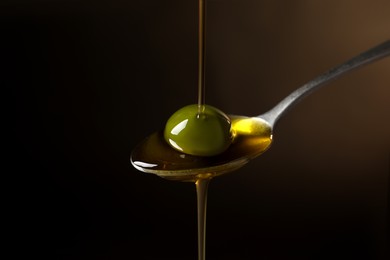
<point x="251" y="135"/>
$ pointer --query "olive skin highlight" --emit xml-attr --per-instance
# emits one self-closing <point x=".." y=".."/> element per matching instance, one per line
<point x="200" y="132"/>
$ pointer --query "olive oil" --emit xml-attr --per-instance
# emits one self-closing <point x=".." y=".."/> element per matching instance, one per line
<point x="248" y="138"/>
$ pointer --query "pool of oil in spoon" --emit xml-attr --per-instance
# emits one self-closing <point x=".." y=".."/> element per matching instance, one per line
<point x="251" y="137"/>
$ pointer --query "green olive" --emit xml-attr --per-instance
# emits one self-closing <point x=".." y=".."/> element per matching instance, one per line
<point x="201" y="133"/>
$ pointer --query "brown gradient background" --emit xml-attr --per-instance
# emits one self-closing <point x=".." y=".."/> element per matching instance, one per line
<point x="85" y="81"/>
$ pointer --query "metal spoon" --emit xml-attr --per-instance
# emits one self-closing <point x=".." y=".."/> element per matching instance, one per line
<point x="253" y="135"/>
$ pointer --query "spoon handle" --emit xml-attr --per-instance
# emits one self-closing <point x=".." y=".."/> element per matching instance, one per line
<point x="380" y="51"/>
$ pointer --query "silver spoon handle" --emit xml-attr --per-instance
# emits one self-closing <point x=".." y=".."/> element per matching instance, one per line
<point x="380" y="51"/>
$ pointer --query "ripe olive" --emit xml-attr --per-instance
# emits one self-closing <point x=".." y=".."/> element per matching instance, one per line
<point x="201" y="132"/>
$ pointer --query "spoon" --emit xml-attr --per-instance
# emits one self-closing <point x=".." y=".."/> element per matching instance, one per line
<point x="252" y="135"/>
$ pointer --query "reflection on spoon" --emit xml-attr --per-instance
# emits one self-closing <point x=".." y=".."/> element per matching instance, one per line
<point x="252" y="135"/>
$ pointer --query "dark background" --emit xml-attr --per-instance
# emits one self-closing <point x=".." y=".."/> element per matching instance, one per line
<point x="85" y="81"/>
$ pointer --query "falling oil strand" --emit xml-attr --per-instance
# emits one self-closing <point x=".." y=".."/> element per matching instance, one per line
<point x="201" y="55"/>
<point x="201" y="192"/>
